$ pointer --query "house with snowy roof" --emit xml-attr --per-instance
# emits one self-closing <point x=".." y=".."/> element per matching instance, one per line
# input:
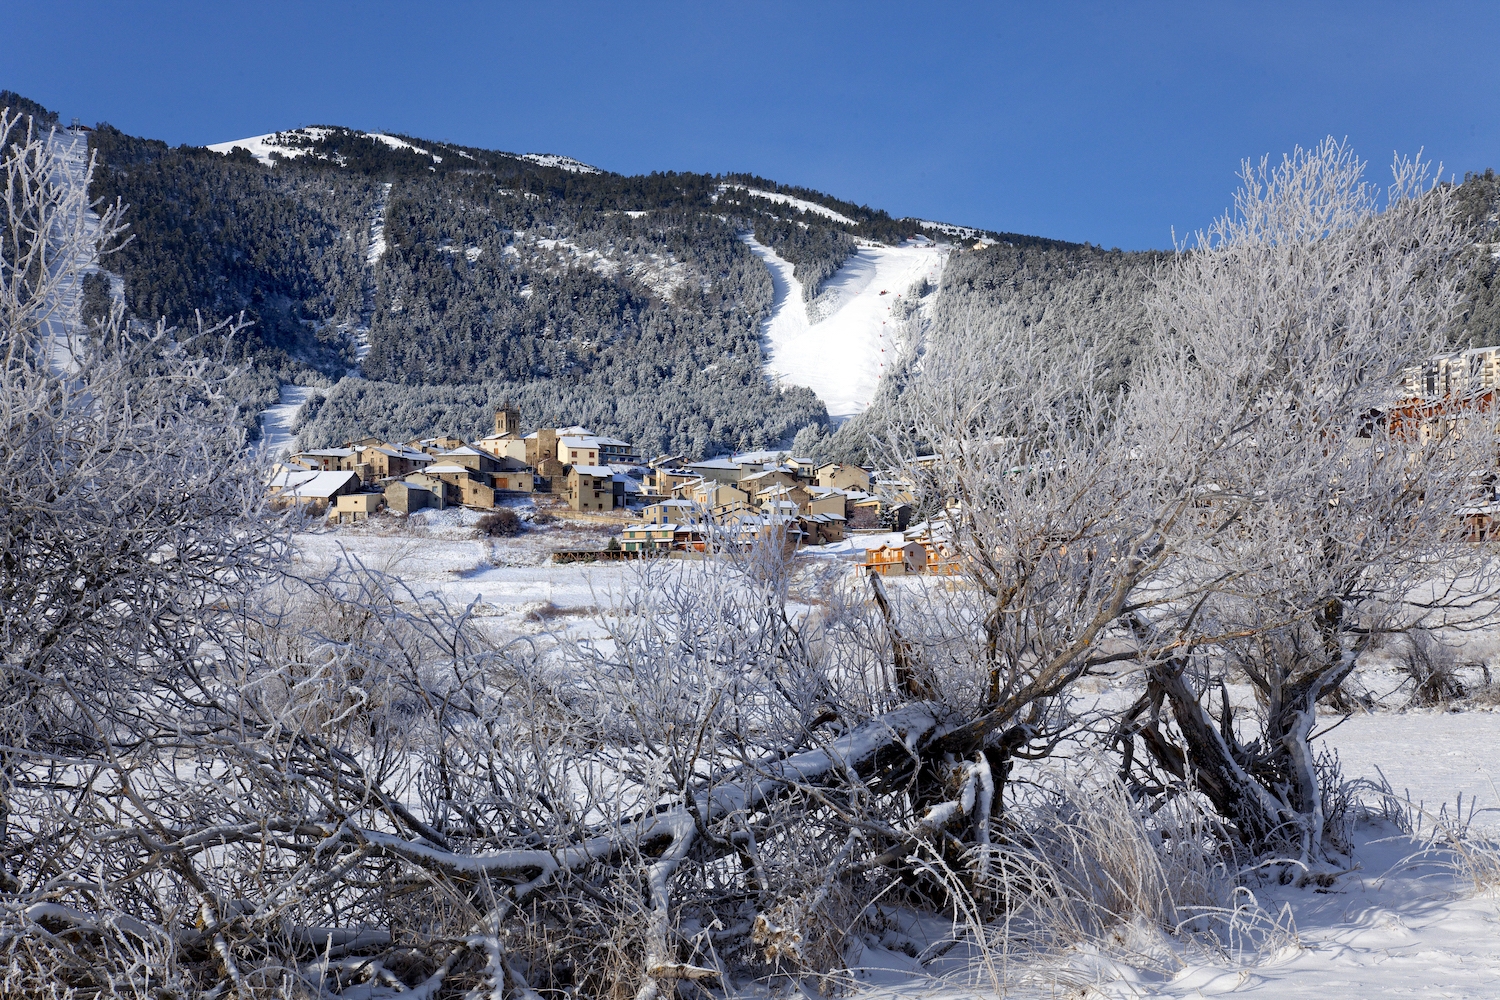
<point x="613" y="451"/>
<point x="578" y="450"/>
<point x="591" y="487"/>
<point x="827" y="500"/>
<point x="843" y="477"/>
<point x="723" y="469"/>
<point x="676" y="511"/>
<point x="387" y="460"/>
<point x="473" y="458"/>
<point x="716" y="497"/>
<point x="474" y="489"/>
<point x="326" y="459"/>
<point x="314" y="488"/>
<point x="775" y="476"/>
<point x="821" y="529"/>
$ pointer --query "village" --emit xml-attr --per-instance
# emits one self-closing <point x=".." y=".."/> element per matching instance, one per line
<point x="667" y="506"/>
<point x="662" y="507"/>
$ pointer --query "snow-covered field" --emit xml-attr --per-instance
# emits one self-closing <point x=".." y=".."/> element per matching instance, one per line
<point x="843" y="356"/>
<point x="1405" y="922"/>
<point x="512" y="580"/>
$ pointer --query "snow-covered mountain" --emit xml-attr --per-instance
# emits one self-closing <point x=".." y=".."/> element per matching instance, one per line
<point x="303" y="141"/>
<point x="690" y="313"/>
<point x="561" y="162"/>
<point x="292" y="143"/>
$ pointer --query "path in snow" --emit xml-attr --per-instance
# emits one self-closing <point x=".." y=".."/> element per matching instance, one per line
<point x="277" y="423"/>
<point x="63" y="324"/>
<point x="360" y="335"/>
<point x="843" y="356"/>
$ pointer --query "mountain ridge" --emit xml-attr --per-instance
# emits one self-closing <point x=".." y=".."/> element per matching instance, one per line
<point x="414" y="284"/>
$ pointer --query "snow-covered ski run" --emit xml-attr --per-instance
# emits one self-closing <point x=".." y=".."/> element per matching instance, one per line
<point x="843" y="356"/>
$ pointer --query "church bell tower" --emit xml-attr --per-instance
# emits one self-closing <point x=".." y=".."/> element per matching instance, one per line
<point x="508" y="422"/>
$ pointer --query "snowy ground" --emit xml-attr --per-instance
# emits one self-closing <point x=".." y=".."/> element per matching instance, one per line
<point x="843" y="356"/>
<point x="513" y="581"/>
<point x="1405" y="922"/>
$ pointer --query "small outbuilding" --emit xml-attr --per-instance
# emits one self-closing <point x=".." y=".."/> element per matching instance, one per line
<point x="352" y="507"/>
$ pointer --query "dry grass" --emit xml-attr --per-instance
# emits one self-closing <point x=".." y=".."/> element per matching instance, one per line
<point x="1087" y="878"/>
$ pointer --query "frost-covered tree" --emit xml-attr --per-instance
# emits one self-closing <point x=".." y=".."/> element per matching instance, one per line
<point x="128" y="524"/>
<point x="1324" y="517"/>
<point x="1250" y="504"/>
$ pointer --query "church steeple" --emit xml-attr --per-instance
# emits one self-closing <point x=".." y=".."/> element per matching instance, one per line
<point x="508" y="422"/>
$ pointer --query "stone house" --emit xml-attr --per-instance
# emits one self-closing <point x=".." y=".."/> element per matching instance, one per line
<point x="405" y="497"/>
<point x="352" y="507"/>
<point x="471" y="458"/>
<point x="843" y="477"/>
<point x="820" y="529"/>
<point x="591" y="487"/>
<point x="390" y="461"/>
<point x="474" y="488"/>
<point x="826" y="500"/>
<point x="437" y="445"/>
<point x="326" y="459"/>
<point x="541" y="455"/>
<point x="316" y="490"/>
<point x="444" y="494"/>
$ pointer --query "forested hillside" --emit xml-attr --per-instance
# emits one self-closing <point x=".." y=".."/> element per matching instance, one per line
<point x="1065" y="293"/>
<point x="1062" y="293"/>
<point x="1479" y="207"/>
<point x="452" y="278"/>
<point x="417" y="284"/>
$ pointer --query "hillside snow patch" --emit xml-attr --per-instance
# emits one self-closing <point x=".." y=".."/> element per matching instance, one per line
<point x="293" y="143"/>
<point x="843" y="356"/>
<point x="560" y="162"/>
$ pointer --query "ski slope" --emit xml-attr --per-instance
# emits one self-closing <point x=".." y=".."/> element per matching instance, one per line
<point x="843" y="356"/>
<point x="277" y="423"/>
<point x="62" y="324"/>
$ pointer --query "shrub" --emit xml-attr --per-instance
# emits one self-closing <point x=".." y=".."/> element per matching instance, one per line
<point x="503" y="523"/>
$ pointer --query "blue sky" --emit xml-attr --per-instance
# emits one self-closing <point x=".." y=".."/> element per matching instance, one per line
<point x="1111" y="122"/>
